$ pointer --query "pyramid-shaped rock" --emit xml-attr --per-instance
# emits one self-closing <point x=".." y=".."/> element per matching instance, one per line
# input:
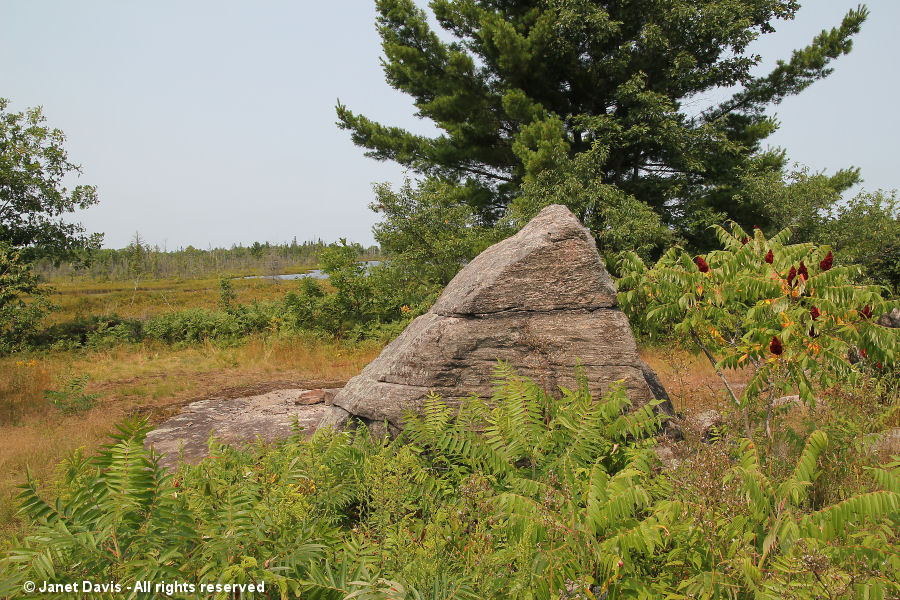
<point x="540" y="300"/>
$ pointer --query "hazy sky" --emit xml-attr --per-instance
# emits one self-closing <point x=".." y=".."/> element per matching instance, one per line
<point x="212" y="123"/>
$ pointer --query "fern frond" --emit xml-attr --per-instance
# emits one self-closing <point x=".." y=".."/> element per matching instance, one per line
<point x="517" y="422"/>
<point x="36" y="507"/>
<point x="616" y="499"/>
<point x="642" y="539"/>
<point x="886" y="480"/>
<point x="756" y="486"/>
<point x="805" y="470"/>
<point x="830" y="523"/>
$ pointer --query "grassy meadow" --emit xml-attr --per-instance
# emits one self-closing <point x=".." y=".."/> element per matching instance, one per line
<point x="155" y="379"/>
<point x="529" y="487"/>
<point x="148" y="378"/>
<point x="81" y="298"/>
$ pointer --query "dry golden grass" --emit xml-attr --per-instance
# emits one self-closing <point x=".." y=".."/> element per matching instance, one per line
<point x="147" y="379"/>
<point x="155" y="380"/>
<point x="690" y="380"/>
<point x="85" y="298"/>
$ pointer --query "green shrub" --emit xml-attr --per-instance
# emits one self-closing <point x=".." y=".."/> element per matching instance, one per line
<point x="738" y="533"/>
<point x="94" y="331"/>
<point x="191" y="325"/>
<point x="784" y="312"/>
<point x="617" y="220"/>
<point x="227" y="295"/>
<point x="199" y="324"/>
<point x="429" y="232"/>
<point x="22" y="306"/>
<point x="866" y="232"/>
<point x="72" y="398"/>
<point x="521" y="497"/>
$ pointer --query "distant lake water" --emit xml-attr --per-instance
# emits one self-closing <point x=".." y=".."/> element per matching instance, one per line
<point x="315" y="273"/>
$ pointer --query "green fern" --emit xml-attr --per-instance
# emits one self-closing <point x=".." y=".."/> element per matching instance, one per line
<point x="770" y="544"/>
<point x="523" y="496"/>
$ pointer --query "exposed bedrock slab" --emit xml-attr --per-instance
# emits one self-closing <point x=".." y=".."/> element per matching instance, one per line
<point x="540" y="300"/>
<point x="237" y="421"/>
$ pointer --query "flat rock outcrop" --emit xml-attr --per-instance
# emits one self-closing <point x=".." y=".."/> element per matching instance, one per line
<point x="541" y="300"/>
<point x="237" y="421"/>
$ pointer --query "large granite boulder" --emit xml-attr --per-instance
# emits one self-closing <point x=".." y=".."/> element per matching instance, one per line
<point x="540" y="300"/>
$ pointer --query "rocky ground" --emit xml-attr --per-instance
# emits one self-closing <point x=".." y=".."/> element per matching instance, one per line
<point x="269" y="416"/>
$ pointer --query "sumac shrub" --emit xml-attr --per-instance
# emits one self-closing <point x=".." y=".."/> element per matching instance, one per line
<point x="780" y="310"/>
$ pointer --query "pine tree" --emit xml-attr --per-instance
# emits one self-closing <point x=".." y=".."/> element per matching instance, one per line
<point x="527" y="88"/>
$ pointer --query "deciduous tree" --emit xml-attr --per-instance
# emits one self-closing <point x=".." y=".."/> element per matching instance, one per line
<point x="34" y="171"/>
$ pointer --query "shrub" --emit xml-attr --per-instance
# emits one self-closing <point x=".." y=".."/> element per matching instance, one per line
<point x="199" y="324"/>
<point x="22" y="307"/>
<point x="72" y="398"/>
<point x="782" y="311"/>
<point x="429" y="231"/>
<point x="227" y="295"/>
<point x="617" y="220"/>
<point x="365" y="297"/>
<point x="866" y="232"/>
<point x="738" y="533"/>
<point x="522" y="497"/>
<point x="191" y="325"/>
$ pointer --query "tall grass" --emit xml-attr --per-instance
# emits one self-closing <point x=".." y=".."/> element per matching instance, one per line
<point x="87" y="298"/>
<point x="151" y="379"/>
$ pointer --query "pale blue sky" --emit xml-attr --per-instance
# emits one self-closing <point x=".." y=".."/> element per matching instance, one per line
<point x="212" y="123"/>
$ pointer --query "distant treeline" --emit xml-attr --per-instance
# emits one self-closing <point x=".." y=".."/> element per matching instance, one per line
<point x="140" y="261"/>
